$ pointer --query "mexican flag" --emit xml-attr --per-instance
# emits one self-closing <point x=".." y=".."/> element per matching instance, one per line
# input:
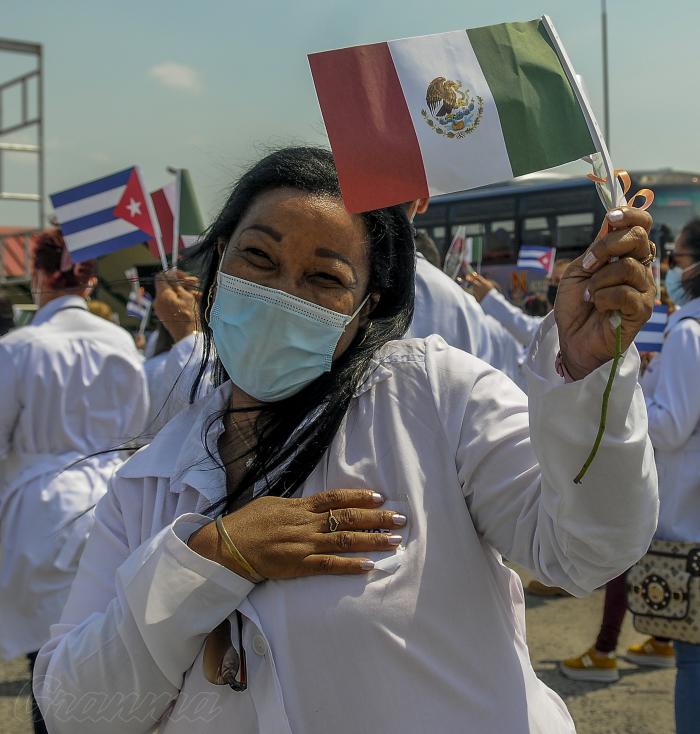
<point x="176" y="208"/>
<point x="430" y="115"/>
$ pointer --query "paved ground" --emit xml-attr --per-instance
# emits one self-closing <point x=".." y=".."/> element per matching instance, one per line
<point x="641" y="703"/>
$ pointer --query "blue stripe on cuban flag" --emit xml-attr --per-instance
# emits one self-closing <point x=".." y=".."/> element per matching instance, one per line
<point x="87" y="221"/>
<point x="138" y="304"/>
<point x="533" y="257"/>
<point x="651" y="336"/>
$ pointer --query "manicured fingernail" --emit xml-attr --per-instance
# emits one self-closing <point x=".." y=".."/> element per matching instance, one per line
<point x="399" y="520"/>
<point x="394" y="540"/>
<point x="616" y="215"/>
<point x="586" y="296"/>
<point x="589" y="261"/>
<point x="377" y="498"/>
<point x="367" y="565"/>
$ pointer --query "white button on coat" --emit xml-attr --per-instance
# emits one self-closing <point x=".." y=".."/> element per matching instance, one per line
<point x="259" y="645"/>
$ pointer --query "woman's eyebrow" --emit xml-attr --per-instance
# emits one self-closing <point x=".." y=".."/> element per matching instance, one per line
<point x="325" y="252"/>
<point x="276" y="236"/>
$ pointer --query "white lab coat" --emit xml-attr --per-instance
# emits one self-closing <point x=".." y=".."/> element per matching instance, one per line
<point x="72" y="384"/>
<point x="443" y="308"/>
<point x="433" y="640"/>
<point x="671" y="387"/>
<point x="507" y="354"/>
<point x="519" y="324"/>
<point x="170" y="377"/>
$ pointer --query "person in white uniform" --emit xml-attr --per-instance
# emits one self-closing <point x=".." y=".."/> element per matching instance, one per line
<point x="671" y="388"/>
<point x="171" y="373"/>
<point x="72" y="385"/>
<point x="442" y="307"/>
<point x="364" y="490"/>
<point x="522" y="326"/>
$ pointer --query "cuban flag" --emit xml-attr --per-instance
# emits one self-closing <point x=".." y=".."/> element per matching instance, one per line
<point x="651" y="336"/>
<point x="538" y="259"/>
<point x="139" y="303"/>
<point x="105" y="215"/>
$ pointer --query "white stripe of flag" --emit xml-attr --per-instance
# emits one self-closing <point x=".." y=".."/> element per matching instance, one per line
<point x="540" y="259"/>
<point x="651" y="336"/>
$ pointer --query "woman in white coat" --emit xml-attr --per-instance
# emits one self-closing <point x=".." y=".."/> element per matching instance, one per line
<point x="364" y="489"/>
<point x="671" y="387"/>
<point x="72" y="384"/>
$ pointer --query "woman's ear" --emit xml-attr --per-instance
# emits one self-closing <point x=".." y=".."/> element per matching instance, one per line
<point x="367" y="309"/>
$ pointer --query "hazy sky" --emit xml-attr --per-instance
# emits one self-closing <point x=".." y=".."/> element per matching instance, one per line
<point x="207" y="85"/>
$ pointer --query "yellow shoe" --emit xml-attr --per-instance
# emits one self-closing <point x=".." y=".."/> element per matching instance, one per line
<point x="592" y="665"/>
<point x="537" y="588"/>
<point x="652" y="652"/>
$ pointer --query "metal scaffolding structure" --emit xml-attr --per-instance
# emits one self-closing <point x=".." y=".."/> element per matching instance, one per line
<point x="14" y="247"/>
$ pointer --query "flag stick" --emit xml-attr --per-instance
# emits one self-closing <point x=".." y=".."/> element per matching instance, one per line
<point x="144" y="319"/>
<point x="154" y="221"/>
<point x="176" y="216"/>
<point x="616" y="197"/>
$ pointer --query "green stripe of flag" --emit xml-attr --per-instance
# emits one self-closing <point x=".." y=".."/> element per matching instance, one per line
<point x="543" y="125"/>
<point x="191" y="222"/>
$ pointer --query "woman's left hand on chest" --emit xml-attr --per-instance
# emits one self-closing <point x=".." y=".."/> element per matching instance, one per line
<point x="609" y="277"/>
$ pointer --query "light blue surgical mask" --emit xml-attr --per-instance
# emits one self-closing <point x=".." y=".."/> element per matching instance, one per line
<point x="674" y="284"/>
<point x="272" y="344"/>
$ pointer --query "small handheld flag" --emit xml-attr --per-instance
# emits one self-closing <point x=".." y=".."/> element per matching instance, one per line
<point x="651" y="336"/>
<point x="454" y="257"/>
<point x="537" y="259"/>
<point x="178" y="211"/>
<point x="139" y="303"/>
<point x="105" y="215"/>
<point x="429" y="115"/>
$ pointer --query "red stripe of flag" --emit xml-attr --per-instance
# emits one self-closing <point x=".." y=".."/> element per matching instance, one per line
<point x="165" y="219"/>
<point x="369" y="127"/>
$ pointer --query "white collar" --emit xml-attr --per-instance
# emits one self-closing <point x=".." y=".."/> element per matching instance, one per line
<point x="689" y="310"/>
<point x="178" y="451"/>
<point x="56" y="305"/>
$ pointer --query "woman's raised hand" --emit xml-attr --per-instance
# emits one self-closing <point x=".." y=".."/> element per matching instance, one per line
<point x="594" y="287"/>
<point x="176" y="302"/>
<point x="288" y="538"/>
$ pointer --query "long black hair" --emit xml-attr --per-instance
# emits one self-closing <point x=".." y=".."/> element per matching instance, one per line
<point x="293" y="434"/>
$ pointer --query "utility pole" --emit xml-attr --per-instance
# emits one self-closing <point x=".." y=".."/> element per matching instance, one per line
<point x="606" y="97"/>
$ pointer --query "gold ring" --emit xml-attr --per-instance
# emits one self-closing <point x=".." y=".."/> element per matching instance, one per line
<point x="648" y="260"/>
<point x="333" y="522"/>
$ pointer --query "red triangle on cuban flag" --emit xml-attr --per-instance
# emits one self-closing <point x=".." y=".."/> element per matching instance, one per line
<point x="547" y="260"/>
<point x="133" y="207"/>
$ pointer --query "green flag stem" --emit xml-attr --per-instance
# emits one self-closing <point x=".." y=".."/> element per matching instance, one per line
<point x="606" y="397"/>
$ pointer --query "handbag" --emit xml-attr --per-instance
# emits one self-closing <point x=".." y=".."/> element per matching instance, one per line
<point x="663" y="591"/>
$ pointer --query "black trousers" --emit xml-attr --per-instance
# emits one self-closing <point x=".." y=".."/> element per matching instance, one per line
<point x="37" y="718"/>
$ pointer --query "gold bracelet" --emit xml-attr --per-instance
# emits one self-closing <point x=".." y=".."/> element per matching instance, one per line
<point x="231" y="547"/>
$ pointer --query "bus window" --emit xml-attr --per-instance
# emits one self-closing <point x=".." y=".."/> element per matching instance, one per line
<point x="499" y="241"/>
<point x="671" y="210"/>
<point x="575" y="199"/>
<point x="538" y="231"/>
<point x="482" y="210"/>
<point x="438" y="235"/>
<point x="574" y="232"/>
